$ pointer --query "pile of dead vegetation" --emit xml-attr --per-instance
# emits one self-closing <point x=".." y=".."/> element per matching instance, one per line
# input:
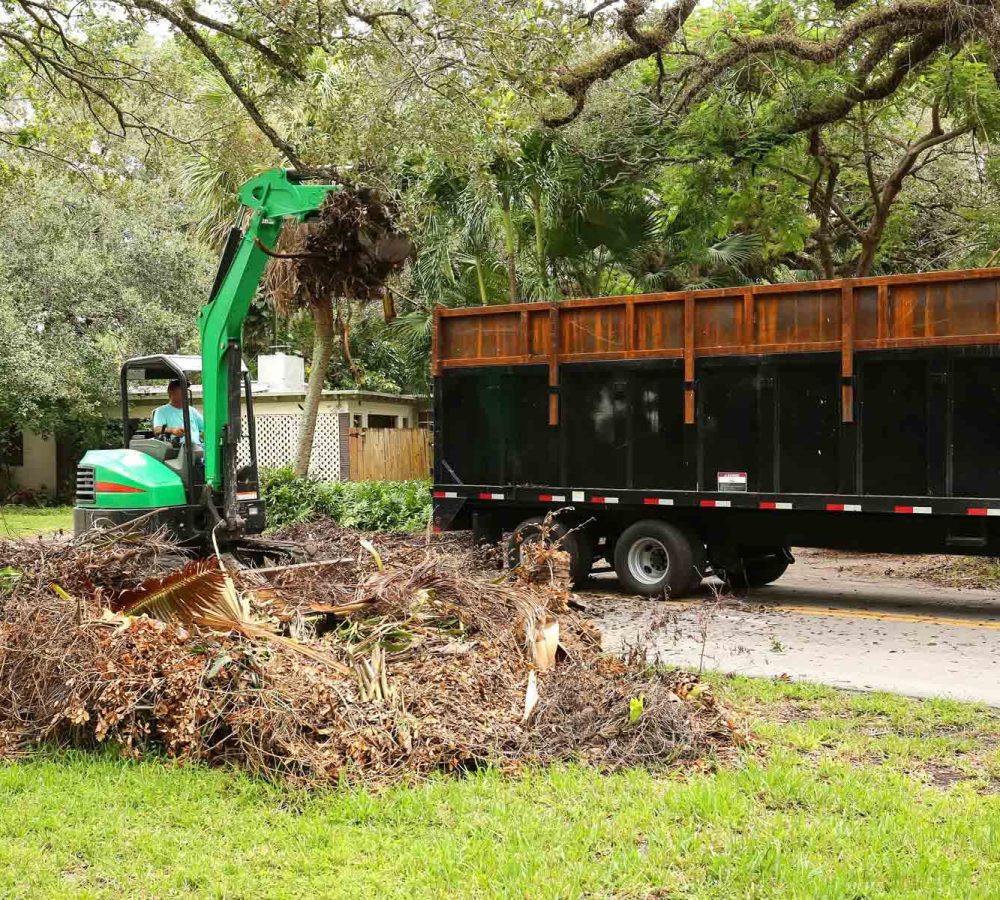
<point x="321" y="537"/>
<point x="963" y="572"/>
<point x="382" y="662"/>
<point x="348" y="250"/>
<point x="352" y="247"/>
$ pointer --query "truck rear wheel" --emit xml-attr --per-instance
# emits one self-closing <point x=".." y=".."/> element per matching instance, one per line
<point x="759" y="571"/>
<point x="657" y="559"/>
<point x="576" y="543"/>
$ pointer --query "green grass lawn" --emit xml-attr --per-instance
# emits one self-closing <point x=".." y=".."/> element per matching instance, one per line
<point x="27" y="521"/>
<point x="847" y="796"/>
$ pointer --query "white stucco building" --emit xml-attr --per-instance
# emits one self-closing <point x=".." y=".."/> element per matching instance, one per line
<point x="279" y="395"/>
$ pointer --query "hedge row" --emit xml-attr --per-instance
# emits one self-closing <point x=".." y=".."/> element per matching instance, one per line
<point x="368" y="505"/>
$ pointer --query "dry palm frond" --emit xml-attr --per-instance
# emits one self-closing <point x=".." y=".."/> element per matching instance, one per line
<point x="354" y="248"/>
<point x="436" y="652"/>
<point x="202" y="594"/>
<point x="199" y="594"/>
<point x="281" y="280"/>
<point x="348" y="250"/>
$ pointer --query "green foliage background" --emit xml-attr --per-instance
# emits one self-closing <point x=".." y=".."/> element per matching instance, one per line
<point x="401" y="506"/>
<point x="87" y="280"/>
<point x="109" y="231"/>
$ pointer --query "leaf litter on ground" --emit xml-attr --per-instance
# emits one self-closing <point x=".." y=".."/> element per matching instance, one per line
<point x="363" y="666"/>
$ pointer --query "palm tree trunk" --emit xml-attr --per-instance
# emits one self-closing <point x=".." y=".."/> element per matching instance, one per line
<point x="481" y="281"/>
<point x="344" y="330"/>
<point x="536" y="204"/>
<point x="511" y="245"/>
<point x="322" y="350"/>
<point x="388" y="307"/>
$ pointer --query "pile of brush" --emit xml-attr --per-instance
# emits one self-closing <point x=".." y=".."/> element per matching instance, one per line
<point x="363" y="667"/>
<point x="348" y="250"/>
<point x="352" y="247"/>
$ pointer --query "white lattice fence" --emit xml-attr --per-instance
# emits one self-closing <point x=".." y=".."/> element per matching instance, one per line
<point x="277" y="440"/>
<point x="326" y="448"/>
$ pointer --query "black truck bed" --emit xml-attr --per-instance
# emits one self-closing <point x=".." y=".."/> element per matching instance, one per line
<point x="854" y="414"/>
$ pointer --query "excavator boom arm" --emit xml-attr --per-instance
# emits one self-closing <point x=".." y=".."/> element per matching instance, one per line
<point x="272" y="197"/>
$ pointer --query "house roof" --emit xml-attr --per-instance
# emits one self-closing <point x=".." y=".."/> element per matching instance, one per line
<point x="263" y="391"/>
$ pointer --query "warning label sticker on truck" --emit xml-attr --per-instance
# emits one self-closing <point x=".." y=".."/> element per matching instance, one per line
<point x="732" y="481"/>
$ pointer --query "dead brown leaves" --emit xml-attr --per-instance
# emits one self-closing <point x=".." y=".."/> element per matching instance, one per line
<point x="349" y="250"/>
<point x="437" y="660"/>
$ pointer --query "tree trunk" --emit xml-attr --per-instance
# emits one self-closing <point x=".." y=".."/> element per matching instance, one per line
<point x="388" y="307"/>
<point x="822" y="197"/>
<point x="481" y="282"/>
<point x="869" y="247"/>
<point x="344" y="330"/>
<point x="536" y="205"/>
<point x="511" y="245"/>
<point x="826" y="261"/>
<point x="322" y="314"/>
<point x="884" y="197"/>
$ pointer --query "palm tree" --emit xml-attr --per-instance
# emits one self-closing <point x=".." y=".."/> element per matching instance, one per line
<point x="459" y="257"/>
<point x="282" y="287"/>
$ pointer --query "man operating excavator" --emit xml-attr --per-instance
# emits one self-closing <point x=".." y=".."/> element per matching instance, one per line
<point x="203" y="483"/>
<point x="169" y="418"/>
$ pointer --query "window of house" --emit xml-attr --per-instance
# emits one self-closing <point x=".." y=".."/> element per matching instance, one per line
<point x="406" y="422"/>
<point x="357" y="420"/>
<point x="425" y="418"/>
<point x="379" y="421"/>
<point x="11" y="447"/>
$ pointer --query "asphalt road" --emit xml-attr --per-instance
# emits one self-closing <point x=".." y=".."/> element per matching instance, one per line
<point x="826" y="620"/>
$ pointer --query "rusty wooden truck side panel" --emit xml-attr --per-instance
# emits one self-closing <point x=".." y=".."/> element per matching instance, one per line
<point x="846" y="316"/>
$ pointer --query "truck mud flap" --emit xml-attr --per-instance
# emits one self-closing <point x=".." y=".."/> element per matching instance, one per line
<point x="450" y="514"/>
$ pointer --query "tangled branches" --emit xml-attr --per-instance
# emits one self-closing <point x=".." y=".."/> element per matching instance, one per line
<point x="878" y="48"/>
<point x="352" y="249"/>
<point x="446" y="657"/>
<point x="875" y="49"/>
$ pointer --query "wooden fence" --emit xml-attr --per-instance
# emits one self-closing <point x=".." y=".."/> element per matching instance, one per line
<point x="390" y="454"/>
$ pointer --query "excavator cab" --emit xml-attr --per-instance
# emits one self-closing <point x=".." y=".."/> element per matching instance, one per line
<point x="159" y="475"/>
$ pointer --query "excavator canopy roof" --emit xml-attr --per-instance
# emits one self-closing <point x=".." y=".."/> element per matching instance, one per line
<point x="147" y="368"/>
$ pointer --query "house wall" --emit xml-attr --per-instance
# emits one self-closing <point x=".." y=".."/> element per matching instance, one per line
<point x="277" y="418"/>
<point x="39" y="469"/>
<point x="400" y="411"/>
<point x="142" y="407"/>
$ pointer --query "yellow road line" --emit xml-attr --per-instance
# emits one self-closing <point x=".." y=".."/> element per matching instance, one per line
<point x="840" y="613"/>
<point x="845" y="613"/>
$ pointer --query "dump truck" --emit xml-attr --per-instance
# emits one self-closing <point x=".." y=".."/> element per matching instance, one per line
<point x="693" y="433"/>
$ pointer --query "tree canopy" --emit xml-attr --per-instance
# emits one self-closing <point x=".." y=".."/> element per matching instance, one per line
<point x="85" y="282"/>
<point x="535" y="150"/>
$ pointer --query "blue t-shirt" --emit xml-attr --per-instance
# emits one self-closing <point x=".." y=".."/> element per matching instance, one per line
<point x="168" y="416"/>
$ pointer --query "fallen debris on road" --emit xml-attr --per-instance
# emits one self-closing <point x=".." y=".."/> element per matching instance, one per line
<point x="379" y="664"/>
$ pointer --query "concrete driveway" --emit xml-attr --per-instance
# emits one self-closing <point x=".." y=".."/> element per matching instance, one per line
<point x="828" y="619"/>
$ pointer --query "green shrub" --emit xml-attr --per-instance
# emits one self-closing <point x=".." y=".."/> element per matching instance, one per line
<point x="368" y="505"/>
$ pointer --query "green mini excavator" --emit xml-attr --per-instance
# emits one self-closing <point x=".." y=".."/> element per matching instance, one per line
<point x="164" y="481"/>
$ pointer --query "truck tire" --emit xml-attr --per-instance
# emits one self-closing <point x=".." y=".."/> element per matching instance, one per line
<point x="657" y="559"/>
<point x="759" y="570"/>
<point x="576" y="543"/>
